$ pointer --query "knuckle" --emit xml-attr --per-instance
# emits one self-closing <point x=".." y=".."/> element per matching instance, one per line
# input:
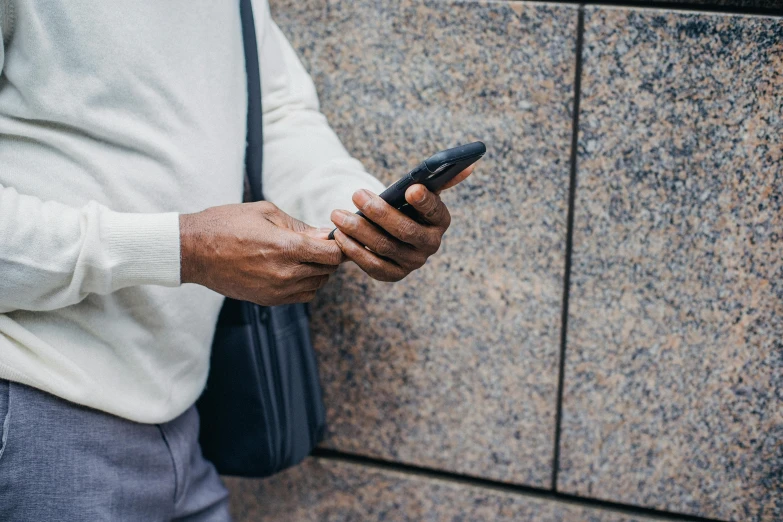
<point x="423" y="237"/>
<point x="374" y="264"/>
<point x="350" y="223"/>
<point x="435" y="242"/>
<point x="411" y="261"/>
<point x="446" y="221"/>
<point x="337" y="251"/>
<point x="418" y="262"/>
<point x="437" y="213"/>
<point x="429" y="207"/>
<point x="335" y="258"/>
<point x="377" y="270"/>
<point x="379" y="208"/>
<point x="275" y="295"/>
<point x="287" y="274"/>
<point x="408" y="231"/>
<point x="267" y="208"/>
<point x="384" y="247"/>
<point x="400" y="273"/>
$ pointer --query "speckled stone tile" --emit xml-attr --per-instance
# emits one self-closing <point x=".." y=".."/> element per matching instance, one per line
<point x="326" y="490"/>
<point x="674" y="364"/>
<point x="455" y="367"/>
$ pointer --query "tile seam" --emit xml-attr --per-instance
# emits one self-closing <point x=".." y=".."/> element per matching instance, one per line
<point x="503" y="487"/>
<point x="569" y="242"/>
<point x="653" y="5"/>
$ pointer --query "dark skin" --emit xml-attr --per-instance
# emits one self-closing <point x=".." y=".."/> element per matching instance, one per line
<point x="391" y="245"/>
<point x="256" y="252"/>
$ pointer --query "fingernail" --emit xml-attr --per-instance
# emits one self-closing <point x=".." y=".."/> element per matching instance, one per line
<point x="338" y="217"/>
<point x="361" y="197"/>
<point x="419" y="196"/>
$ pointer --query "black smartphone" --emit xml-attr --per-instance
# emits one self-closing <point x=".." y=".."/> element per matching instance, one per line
<point x="433" y="173"/>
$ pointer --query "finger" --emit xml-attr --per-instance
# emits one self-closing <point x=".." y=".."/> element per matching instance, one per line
<point x="307" y="270"/>
<point x="301" y="297"/>
<point x="319" y="251"/>
<point x="308" y="284"/>
<point x="456" y="180"/>
<point x="429" y="206"/>
<point x="396" y="223"/>
<point x="377" y="240"/>
<point x="300" y="286"/>
<point x="374" y="265"/>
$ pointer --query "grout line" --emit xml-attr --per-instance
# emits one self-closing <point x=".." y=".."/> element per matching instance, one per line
<point x="501" y="487"/>
<point x="690" y="7"/>
<point x="675" y="6"/>
<point x="580" y="29"/>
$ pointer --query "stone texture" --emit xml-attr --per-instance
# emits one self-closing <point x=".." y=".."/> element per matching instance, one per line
<point x="761" y="6"/>
<point x="674" y="364"/>
<point x="455" y="367"/>
<point x="327" y="490"/>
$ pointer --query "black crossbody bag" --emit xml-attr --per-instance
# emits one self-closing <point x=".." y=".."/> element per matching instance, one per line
<point x="262" y="409"/>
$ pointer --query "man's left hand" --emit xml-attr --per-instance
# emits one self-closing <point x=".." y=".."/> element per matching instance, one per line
<point x="389" y="245"/>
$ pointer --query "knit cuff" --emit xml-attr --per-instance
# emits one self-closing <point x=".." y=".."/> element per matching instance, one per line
<point x="142" y="249"/>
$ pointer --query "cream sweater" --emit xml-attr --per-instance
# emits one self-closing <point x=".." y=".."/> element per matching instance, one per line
<point x="116" y="116"/>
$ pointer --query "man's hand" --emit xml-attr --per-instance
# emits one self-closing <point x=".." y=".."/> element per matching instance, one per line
<point x="256" y="252"/>
<point x="393" y="245"/>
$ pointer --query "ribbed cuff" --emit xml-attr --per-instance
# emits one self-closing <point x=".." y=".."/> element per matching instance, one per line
<point x="143" y="249"/>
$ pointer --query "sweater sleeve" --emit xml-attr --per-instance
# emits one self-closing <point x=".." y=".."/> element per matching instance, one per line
<point x="307" y="171"/>
<point x="53" y="255"/>
<point x="6" y="27"/>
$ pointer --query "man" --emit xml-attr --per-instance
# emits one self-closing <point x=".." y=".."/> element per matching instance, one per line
<point x="122" y="137"/>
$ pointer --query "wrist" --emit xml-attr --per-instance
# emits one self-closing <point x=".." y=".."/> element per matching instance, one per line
<point x="191" y="266"/>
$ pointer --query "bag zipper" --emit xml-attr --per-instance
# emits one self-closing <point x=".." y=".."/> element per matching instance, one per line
<point x="256" y="319"/>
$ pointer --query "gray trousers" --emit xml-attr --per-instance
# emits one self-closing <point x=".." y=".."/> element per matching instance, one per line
<point x="60" y="461"/>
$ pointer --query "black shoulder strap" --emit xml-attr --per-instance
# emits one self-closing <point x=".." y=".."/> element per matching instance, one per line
<point x="254" y="152"/>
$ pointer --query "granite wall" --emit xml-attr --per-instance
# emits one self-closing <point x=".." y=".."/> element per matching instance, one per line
<point x="654" y="237"/>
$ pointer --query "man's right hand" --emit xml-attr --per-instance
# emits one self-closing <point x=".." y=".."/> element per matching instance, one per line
<point x="256" y="252"/>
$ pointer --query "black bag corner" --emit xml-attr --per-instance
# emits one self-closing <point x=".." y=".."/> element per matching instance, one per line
<point x="262" y="409"/>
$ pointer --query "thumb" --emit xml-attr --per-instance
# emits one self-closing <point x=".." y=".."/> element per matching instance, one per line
<point x="318" y="233"/>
